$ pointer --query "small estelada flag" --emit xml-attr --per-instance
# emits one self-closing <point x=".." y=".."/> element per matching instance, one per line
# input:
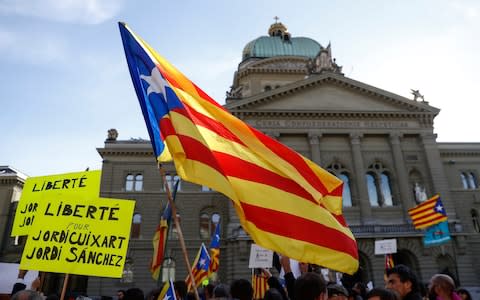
<point x="428" y="213"/>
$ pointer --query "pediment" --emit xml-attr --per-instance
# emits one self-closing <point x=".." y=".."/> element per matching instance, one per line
<point x="329" y="93"/>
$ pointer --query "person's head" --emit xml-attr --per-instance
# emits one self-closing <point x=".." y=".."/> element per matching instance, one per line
<point x="272" y="294"/>
<point x="360" y="289"/>
<point x="221" y="291"/>
<point x="464" y="294"/>
<point x="208" y="291"/>
<point x="337" y="292"/>
<point x="134" y="294"/>
<point x="310" y="286"/>
<point x="26" y="295"/>
<point x="402" y="280"/>
<point x="441" y="284"/>
<point x="181" y="289"/>
<point x="241" y="289"/>
<point x="153" y="294"/>
<point x="120" y="294"/>
<point x="381" y="294"/>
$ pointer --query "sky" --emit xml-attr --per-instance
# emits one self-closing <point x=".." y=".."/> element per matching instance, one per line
<point x="64" y="81"/>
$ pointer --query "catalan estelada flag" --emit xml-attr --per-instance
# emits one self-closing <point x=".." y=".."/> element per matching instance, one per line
<point x="199" y="268"/>
<point x="168" y="291"/>
<point x="259" y="284"/>
<point x="215" y="250"/>
<point x="284" y="201"/>
<point x="160" y="237"/>
<point x="389" y="261"/>
<point x="428" y="213"/>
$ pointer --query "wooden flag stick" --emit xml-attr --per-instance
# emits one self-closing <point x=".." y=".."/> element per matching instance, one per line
<point x="179" y="231"/>
<point x="64" y="289"/>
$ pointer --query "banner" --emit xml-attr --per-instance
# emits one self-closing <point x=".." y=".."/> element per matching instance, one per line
<point x="260" y="257"/>
<point x="385" y="246"/>
<point x="79" y="236"/>
<point x="437" y="234"/>
<point x="80" y="185"/>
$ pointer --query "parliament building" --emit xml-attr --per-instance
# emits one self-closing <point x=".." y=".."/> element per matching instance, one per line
<point x="381" y="145"/>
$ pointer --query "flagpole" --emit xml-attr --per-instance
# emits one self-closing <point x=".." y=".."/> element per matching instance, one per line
<point x="179" y="230"/>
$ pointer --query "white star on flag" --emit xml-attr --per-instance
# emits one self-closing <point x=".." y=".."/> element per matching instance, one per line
<point x="439" y="208"/>
<point x="156" y="82"/>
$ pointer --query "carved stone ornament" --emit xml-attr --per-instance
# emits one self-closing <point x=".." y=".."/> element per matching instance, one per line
<point x="112" y="134"/>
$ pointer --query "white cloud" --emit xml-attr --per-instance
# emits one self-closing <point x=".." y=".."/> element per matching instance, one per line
<point x="31" y="48"/>
<point x="71" y="11"/>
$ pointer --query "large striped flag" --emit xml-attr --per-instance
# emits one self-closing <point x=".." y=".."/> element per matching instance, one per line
<point x="160" y="237"/>
<point x="215" y="250"/>
<point x="259" y="284"/>
<point x="428" y="213"/>
<point x="280" y="196"/>
<point x="199" y="268"/>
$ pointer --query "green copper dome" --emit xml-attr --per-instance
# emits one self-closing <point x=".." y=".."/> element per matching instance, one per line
<point x="279" y="43"/>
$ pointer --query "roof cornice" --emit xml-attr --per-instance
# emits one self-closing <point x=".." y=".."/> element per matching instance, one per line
<point x="330" y="78"/>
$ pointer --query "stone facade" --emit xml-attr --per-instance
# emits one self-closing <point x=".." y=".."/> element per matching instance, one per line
<point x="11" y="186"/>
<point x="347" y="127"/>
<point x="352" y="129"/>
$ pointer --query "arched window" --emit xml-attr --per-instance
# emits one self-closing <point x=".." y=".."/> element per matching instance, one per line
<point x="171" y="180"/>
<point x="341" y="172"/>
<point x="346" y="195"/>
<point x="472" y="180"/>
<point x="174" y="232"/>
<point x="379" y="185"/>
<point x="204" y="225"/>
<point x="129" y="182"/>
<point x="372" y="189"/>
<point x="168" y="269"/>
<point x="127" y="274"/>
<point x="134" y="182"/>
<point x="463" y="177"/>
<point x="138" y="182"/>
<point x="475" y="220"/>
<point x="207" y="223"/>
<point x="385" y="188"/>
<point x="136" y="224"/>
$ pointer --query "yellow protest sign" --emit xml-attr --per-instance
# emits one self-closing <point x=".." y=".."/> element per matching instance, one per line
<point x="79" y="236"/>
<point x="80" y="185"/>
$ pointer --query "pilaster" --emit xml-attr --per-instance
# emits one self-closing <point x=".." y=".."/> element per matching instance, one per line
<point x="365" y="210"/>
<point x="402" y="176"/>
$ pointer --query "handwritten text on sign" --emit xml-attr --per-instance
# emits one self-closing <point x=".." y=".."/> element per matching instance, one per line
<point x="80" y="236"/>
<point x="79" y="185"/>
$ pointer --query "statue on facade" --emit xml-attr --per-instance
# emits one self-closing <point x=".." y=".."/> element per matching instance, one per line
<point x="112" y="135"/>
<point x="420" y="193"/>
<point x="324" y="62"/>
<point x="416" y="95"/>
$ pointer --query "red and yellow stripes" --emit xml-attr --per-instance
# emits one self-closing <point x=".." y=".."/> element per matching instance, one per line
<point x="159" y="240"/>
<point x="424" y="215"/>
<point x="284" y="201"/>
<point x="260" y="285"/>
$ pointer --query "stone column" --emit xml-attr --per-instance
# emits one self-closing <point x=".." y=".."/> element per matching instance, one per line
<point x="437" y="172"/>
<point x="402" y="176"/>
<point x="363" y="201"/>
<point x="314" y="139"/>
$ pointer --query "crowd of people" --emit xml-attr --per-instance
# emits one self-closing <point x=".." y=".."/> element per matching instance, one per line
<point x="401" y="283"/>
